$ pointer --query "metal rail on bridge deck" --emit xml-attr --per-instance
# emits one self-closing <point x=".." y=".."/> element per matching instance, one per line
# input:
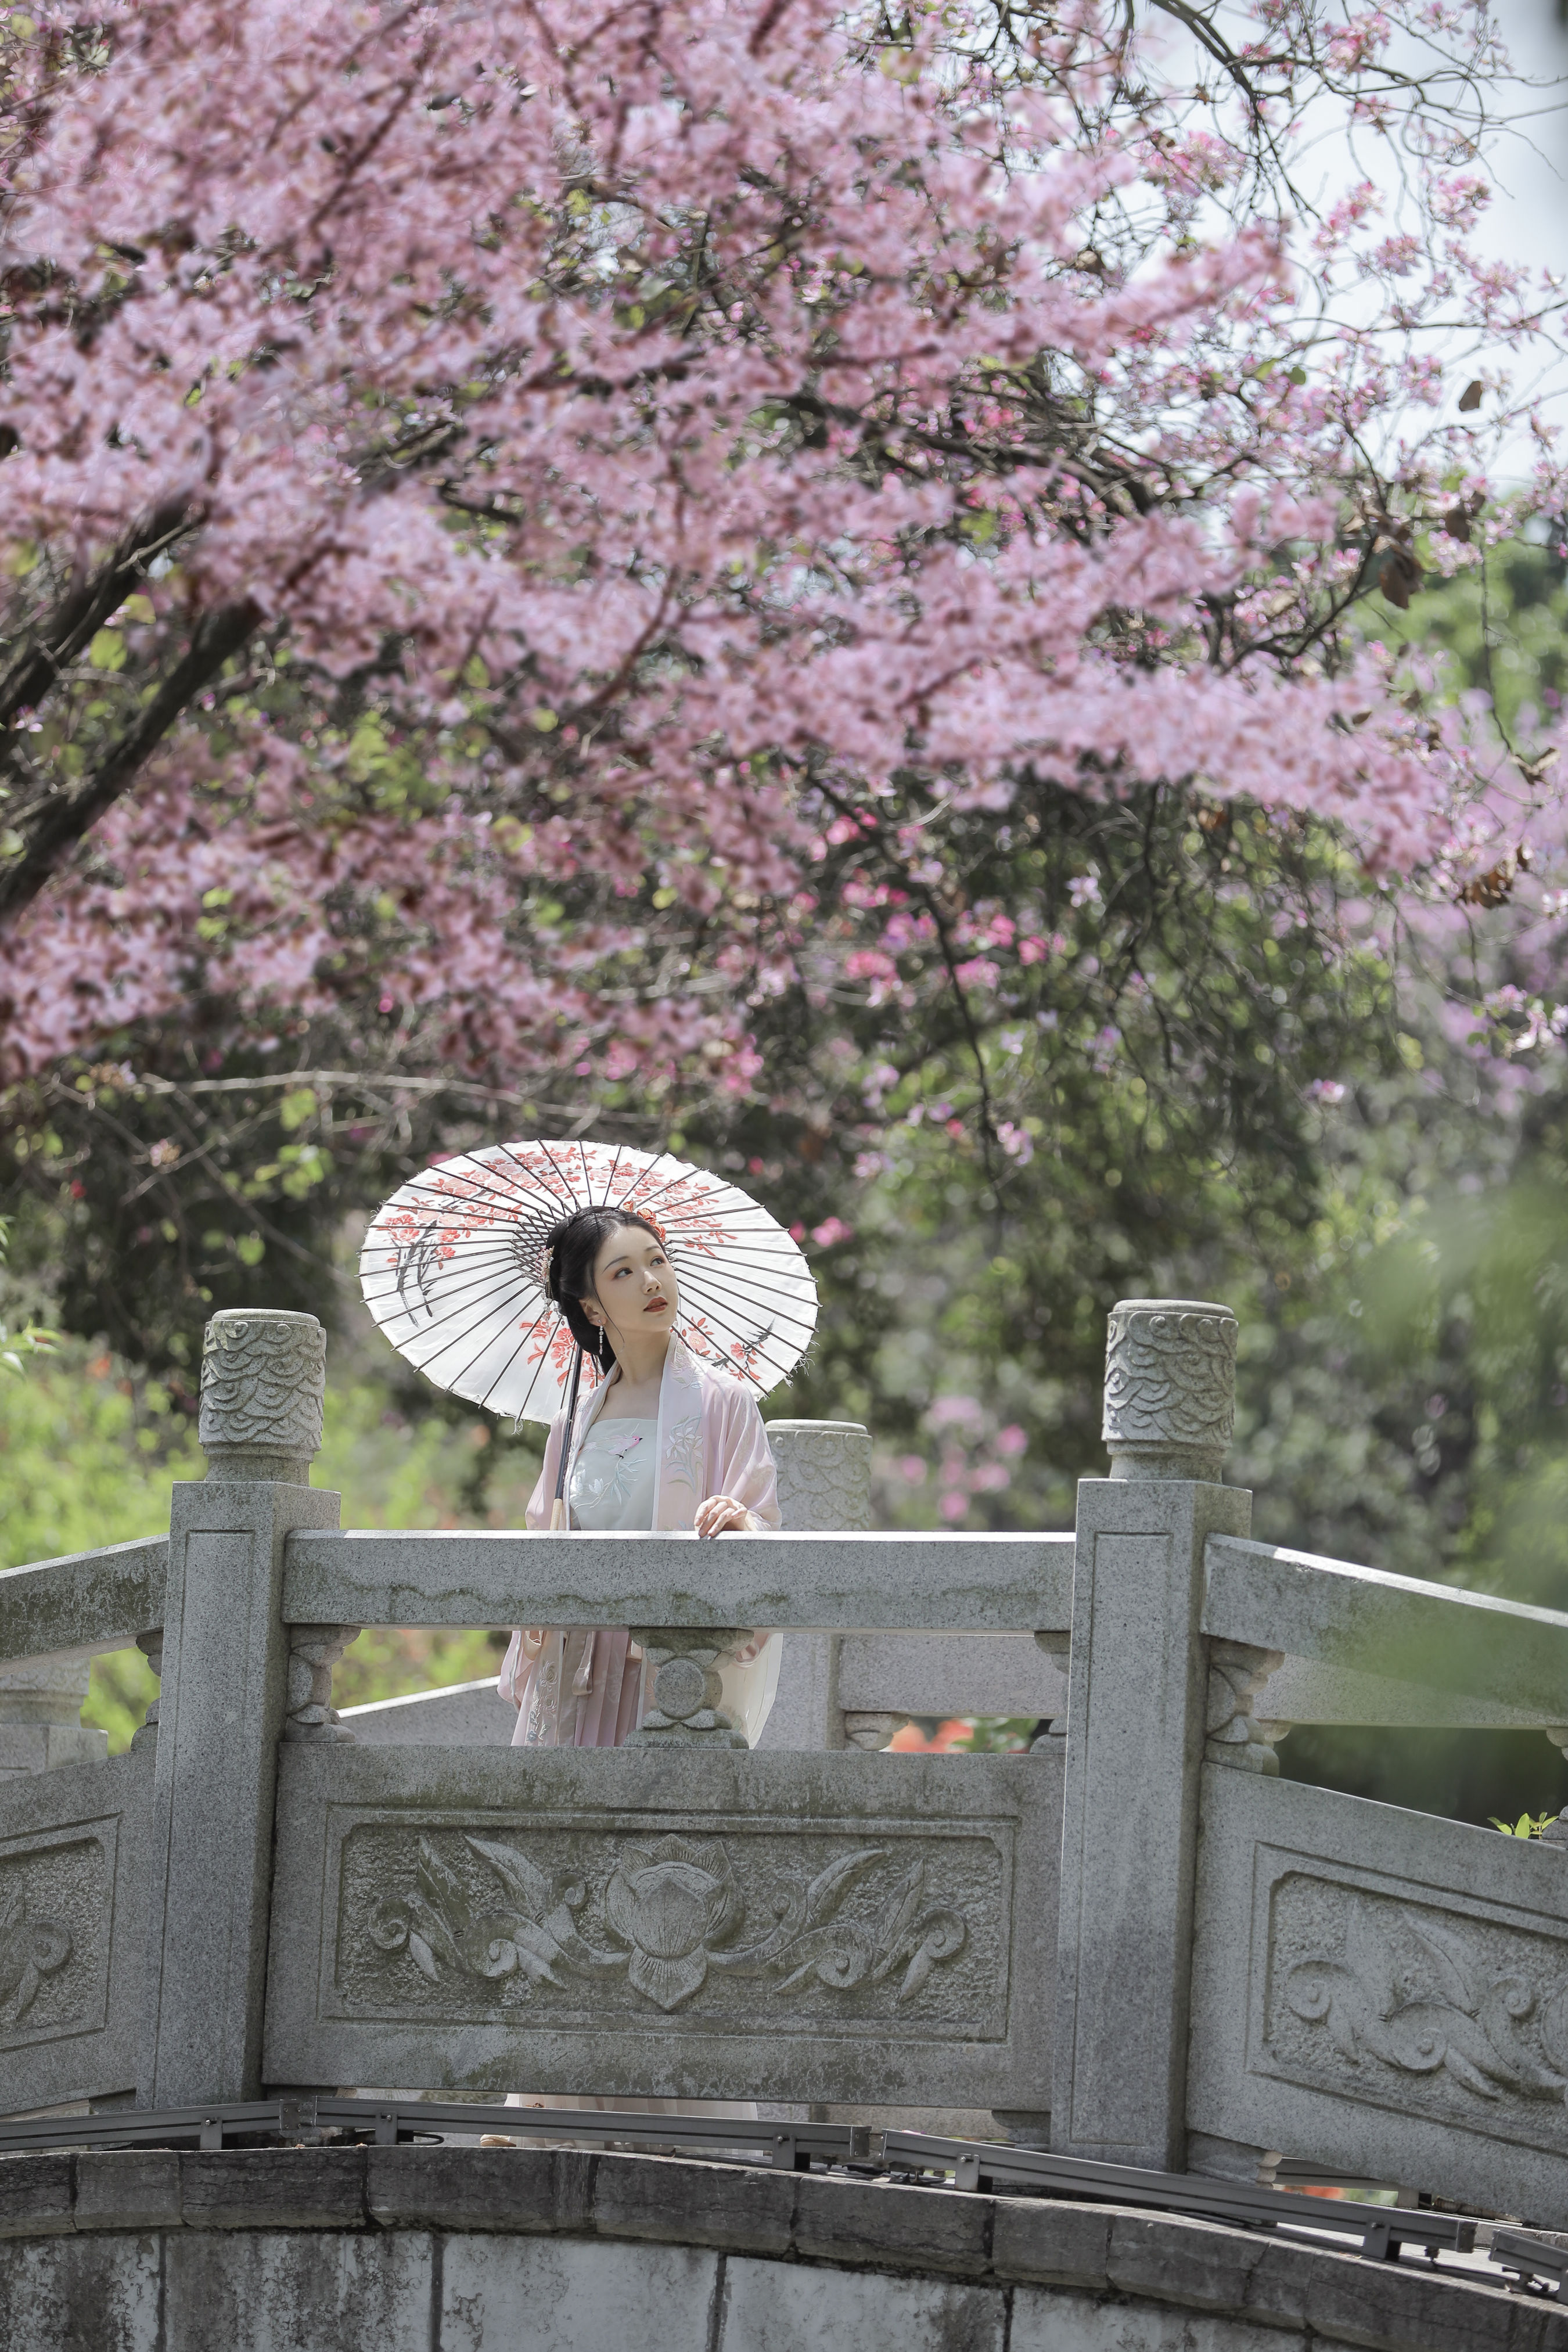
<point x="914" y="2158"/>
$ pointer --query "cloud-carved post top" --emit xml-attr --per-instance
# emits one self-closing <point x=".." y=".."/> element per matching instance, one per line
<point x="1170" y="1388"/>
<point x="263" y="1379"/>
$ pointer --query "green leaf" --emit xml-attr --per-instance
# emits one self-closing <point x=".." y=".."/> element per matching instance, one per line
<point x="296" y="1108"/>
<point x="107" y="650"/>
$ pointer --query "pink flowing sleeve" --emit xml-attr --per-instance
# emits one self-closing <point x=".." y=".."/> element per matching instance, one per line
<point x="517" y="1669"/>
<point x="746" y="1470"/>
<point x="538" y="1503"/>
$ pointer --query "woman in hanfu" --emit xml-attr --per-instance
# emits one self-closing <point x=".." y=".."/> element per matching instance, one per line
<point x="662" y="1442"/>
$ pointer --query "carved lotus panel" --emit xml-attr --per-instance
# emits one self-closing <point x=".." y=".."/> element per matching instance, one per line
<point x="1435" y="2010"/>
<point x="793" y="1931"/>
<point x="54" y="1915"/>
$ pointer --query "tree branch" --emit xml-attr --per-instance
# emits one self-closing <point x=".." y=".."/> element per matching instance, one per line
<point x="55" y="825"/>
<point x="79" y="615"/>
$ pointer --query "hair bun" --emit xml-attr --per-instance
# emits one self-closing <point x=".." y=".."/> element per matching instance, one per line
<point x="554" y="1240"/>
<point x="566" y="1257"/>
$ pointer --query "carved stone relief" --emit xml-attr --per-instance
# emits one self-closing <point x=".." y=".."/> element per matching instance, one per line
<point x="870" y="1729"/>
<point x="825" y="1476"/>
<point x="56" y="1911"/>
<point x="1170" y="1388"/>
<point x="1437" y="2011"/>
<point x="263" y="1378"/>
<point x="31" y="1949"/>
<point x="684" y="1686"/>
<point x="805" y="1930"/>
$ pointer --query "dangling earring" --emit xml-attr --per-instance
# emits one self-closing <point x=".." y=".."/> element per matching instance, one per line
<point x="601" y="1348"/>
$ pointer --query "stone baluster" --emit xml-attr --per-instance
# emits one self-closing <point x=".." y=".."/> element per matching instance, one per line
<point x="682" y="1702"/>
<point x="825" y="1489"/>
<point x="40" y="1720"/>
<point x="223" y="1703"/>
<point x="313" y="1651"/>
<point x="151" y="1648"/>
<point x="1233" y="1733"/>
<point x="1556" y="1832"/>
<point x="1138" y="1718"/>
<point x="1058" y="1649"/>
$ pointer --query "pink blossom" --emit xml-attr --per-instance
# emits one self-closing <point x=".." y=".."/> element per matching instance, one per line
<point x="665" y="650"/>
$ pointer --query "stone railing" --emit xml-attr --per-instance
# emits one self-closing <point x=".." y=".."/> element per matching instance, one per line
<point x="1135" y="1942"/>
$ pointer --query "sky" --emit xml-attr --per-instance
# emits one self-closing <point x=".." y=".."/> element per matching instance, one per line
<point x="1527" y="220"/>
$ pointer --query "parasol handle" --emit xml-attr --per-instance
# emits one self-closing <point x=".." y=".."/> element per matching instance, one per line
<point x="558" y="1507"/>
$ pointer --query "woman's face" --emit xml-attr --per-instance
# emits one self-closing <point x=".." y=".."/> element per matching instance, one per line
<point x="634" y="1284"/>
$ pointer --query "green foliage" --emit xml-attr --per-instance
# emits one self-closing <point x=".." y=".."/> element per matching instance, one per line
<point x="88" y="1453"/>
<point x="122" y="1688"/>
<point x="1504" y="625"/>
<point x="1529" y="1826"/>
<point x="32" y="1338"/>
<point x="87" y="1456"/>
<point x="1145" y="1074"/>
<point x="998" y="1734"/>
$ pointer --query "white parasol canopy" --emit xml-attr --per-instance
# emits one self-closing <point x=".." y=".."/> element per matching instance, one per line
<point x="453" y="1269"/>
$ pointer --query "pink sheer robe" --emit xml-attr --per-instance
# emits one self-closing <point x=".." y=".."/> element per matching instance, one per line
<point x="577" y="1687"/>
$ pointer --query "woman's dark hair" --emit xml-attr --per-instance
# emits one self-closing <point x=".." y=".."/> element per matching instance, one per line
<point x="570" y="1249"/>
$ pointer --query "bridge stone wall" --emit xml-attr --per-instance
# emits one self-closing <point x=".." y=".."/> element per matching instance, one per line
<point x="478" y="2249"/>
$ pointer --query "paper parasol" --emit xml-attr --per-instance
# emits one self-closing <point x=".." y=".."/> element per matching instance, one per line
<point x="453" y="1269"/>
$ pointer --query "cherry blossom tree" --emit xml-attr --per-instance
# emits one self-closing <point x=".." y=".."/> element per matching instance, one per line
<point x="492" y="502"/>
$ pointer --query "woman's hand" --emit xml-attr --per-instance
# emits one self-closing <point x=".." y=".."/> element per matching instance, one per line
<point x="720" y="1515"/>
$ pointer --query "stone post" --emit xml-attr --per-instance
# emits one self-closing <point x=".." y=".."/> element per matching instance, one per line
<point x="40" y="1720"/>
<point x="222" y="1705"/>
<point x="825" y="1489"/>
<point x="1138" y="1693"/>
